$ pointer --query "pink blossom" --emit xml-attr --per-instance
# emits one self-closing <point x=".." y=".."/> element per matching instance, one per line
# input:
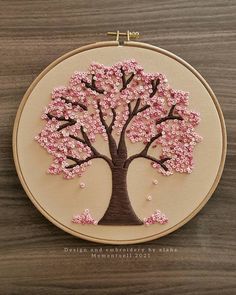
<point x="76" y="114"/>
<point x="84" y="218"/>
<point x="156" y="217"/>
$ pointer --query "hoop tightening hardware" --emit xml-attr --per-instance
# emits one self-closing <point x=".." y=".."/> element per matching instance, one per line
<point x="128" y="34"/>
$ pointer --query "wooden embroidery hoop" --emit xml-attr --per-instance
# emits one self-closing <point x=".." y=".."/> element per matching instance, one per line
<point x="116" y="43"/>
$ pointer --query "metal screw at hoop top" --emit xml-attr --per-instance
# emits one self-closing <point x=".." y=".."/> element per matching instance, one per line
<point x="130" y="35"/>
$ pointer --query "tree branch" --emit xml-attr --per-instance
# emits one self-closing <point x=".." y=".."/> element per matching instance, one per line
<point x="129" y="119"/>
<point x="124" y="81"/>
<point x="136" y="107"/>
<point x="104" y="123"/>
<point x="111" y="140"/>
<point x="80" y="162"/>
<point x="170" y="116"/>
<point x="69" y="121"/>
<point x="158" y="161"/>
<point x="77" y="161"/>
<point x="75" y="103"/>
<point x="142" y="109"/>
<point x="146" y="148"/>
<point x="155" y="84"/>
<point x="122" y="146"/>
<point x="92" y="85"/>
<point x="77" y="138"/>
<point x="88" y="142"/>
<point x="132" y="114"/>
<point x="113" y="120"/>
<point x="129" y="108"/>
<point x="143" y="153"/>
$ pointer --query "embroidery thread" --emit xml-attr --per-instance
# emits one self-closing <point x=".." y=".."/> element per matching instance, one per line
<point x="118" y="102"/>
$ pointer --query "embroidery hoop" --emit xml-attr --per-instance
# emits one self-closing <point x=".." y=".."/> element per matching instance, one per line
<point x="114" y="44"/>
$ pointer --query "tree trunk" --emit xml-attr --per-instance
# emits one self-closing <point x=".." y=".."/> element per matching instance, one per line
<point x="119" y="211"/>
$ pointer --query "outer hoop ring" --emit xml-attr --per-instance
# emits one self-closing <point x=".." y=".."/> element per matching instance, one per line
<point x="105" y="44"/>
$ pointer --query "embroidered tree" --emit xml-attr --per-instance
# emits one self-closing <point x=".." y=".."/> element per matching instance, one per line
<point x="119" y="102"/>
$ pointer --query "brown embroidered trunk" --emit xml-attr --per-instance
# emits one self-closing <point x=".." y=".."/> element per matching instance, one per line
<point x="119" y="211"/>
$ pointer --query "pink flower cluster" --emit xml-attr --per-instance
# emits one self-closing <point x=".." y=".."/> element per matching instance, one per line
<point x="76" y="107"/>
<point x="177" y="97"/>
<point x="84" y="218"/>
<point x="60" y="147"/>
<point x="156" y="217"/>
<point x="177" y="141"/>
